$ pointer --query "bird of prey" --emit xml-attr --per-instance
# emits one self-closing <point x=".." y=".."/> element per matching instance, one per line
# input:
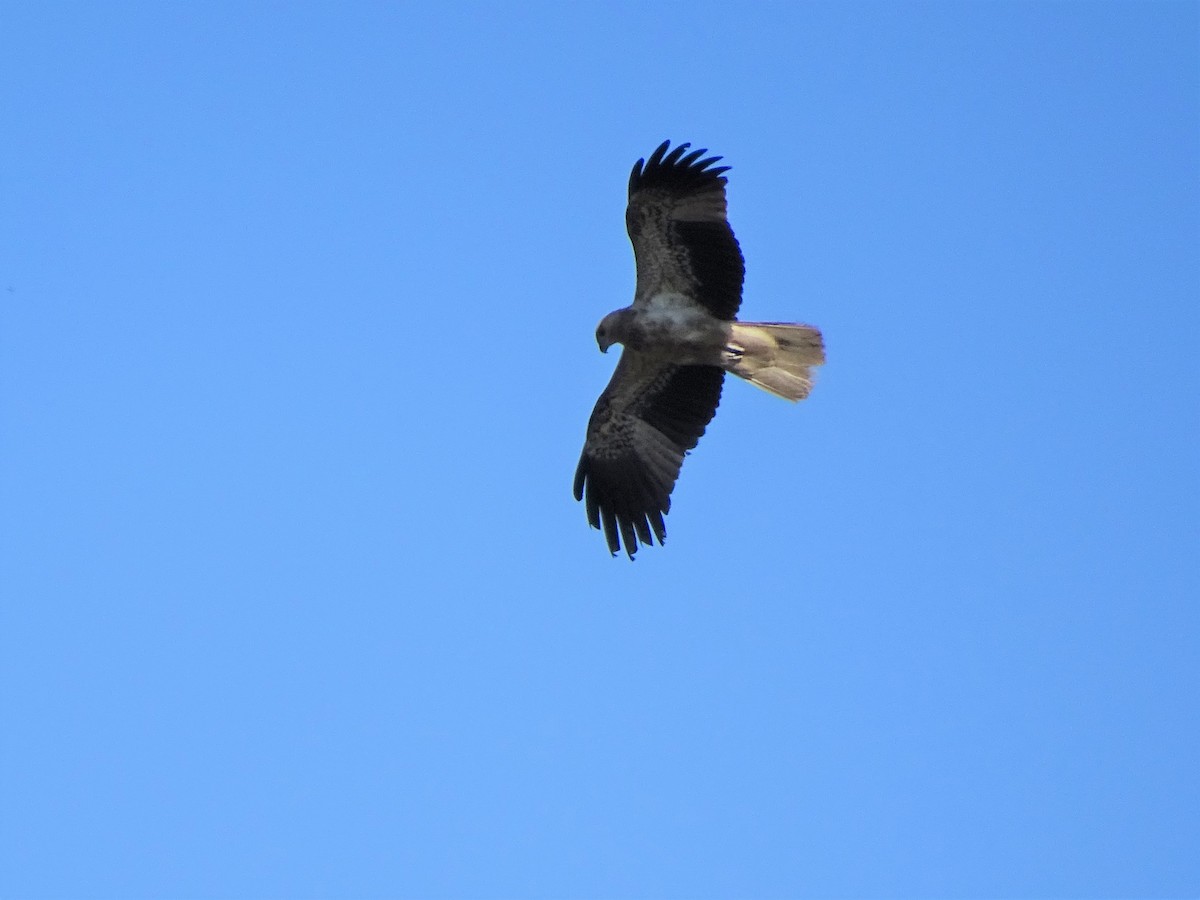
<point x="680" y="337"/>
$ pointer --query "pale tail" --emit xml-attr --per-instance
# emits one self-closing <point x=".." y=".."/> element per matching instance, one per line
<point x="775" y="356"/>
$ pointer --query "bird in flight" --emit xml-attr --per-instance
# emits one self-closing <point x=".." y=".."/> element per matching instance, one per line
<point x="680" y="337"/>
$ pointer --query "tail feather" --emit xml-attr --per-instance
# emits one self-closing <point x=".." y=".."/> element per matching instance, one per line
<point x="776" y="356"/>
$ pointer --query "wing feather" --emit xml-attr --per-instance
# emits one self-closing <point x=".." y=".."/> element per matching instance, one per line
<point x="682" y="241"/>
<point x="644" y="423"/>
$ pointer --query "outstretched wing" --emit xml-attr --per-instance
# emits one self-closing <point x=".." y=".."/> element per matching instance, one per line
<point x="648" y="417"/>
<point x="682" y="242"/>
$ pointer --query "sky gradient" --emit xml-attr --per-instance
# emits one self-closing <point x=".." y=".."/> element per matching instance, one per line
<point x="297" y="306"/>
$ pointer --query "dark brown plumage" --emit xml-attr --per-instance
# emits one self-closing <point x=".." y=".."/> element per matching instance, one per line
<point x="679" y="339"/>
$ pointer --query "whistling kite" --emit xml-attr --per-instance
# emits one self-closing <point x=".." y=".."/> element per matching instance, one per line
<point x="680" y="339"/>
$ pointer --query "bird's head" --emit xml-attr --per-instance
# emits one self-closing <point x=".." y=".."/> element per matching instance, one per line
<point x="611" y="329"/>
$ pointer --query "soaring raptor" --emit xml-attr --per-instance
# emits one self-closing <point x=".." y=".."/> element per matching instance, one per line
<point x="680" y="338"/>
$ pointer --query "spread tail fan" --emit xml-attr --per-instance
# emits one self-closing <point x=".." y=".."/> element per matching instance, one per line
<point x="777" y="357"/>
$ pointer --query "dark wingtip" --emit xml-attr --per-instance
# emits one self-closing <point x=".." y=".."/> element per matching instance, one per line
<point x="674" y="169"/>
<point x="623" y="529"/>
<point x="636" y="175"/>
<point x="580" y="474"/>
<point x="657" y="156"/>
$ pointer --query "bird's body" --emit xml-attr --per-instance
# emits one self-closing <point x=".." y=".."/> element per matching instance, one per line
<point x="680" y="337"/>
<point x="669" y="329"/>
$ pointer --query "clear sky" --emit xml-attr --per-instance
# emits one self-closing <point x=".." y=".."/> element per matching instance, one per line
<point x="297" y="306"/>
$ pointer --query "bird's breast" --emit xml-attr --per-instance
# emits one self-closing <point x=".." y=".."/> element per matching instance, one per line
<point x="683" y="335"/>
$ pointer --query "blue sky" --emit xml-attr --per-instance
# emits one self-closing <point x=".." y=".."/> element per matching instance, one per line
<point x="296" y="355"/>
